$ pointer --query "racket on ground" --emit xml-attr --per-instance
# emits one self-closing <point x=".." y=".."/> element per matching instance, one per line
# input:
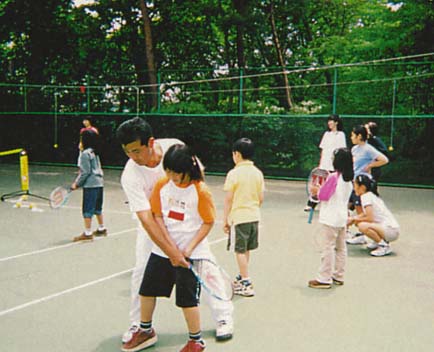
<point x="59" y="197"/>
<point x="212" y="278"/>
<point x="317" y="177"/>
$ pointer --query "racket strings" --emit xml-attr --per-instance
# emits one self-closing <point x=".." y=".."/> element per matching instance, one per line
<point x="215" y="280"/>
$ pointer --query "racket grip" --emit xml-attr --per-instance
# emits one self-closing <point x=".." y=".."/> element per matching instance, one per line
<point x="309" y="219"/>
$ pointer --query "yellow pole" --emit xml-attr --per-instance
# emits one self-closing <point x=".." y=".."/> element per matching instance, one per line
<point x="9" y="152"/>
<point x="24" y="167"/>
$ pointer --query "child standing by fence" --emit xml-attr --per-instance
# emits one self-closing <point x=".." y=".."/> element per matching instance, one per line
<point x="90" y="178"/>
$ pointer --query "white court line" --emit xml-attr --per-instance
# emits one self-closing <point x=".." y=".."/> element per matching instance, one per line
<point x="59" y="247"/>
<point x="88" y="284"/>
<point x="36" y="204"/>
<point x="46" y="298"/>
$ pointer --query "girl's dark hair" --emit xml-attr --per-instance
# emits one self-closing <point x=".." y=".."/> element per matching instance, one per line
<point x="134" y="129"/>
<point x="336" y="118"/>
<point x="367" y="181"/>
<point x="360" y="129"/>
<point x="245" y="147"/>
<point x="180" y="159"/>
<point x="343" y="163"/>
<point x="373" y="128"/>
<point x="90" y="139"/>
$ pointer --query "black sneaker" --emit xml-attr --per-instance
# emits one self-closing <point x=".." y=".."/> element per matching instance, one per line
<point x="100" y="233"/>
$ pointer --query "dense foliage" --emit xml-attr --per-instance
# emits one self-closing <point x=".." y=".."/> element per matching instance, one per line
<point x="246" y="59"/>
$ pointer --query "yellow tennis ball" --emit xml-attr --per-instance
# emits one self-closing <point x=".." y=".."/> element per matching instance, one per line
<point x="390" y="148"/>
<point x="31" y="205"/>
<point x="18" y="205"/>
<point x="55" y="146"/>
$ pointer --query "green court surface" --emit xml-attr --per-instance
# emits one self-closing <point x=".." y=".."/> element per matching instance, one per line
<point x="56" y="295"/>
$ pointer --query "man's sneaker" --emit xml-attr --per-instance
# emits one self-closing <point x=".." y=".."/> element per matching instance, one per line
<point x="307" y="208"/>
<point x="317" y="284"/>
<point x="128" y="335"/>
<point x="194" y="346"/>
<point x="382" y="250"/>
<point x="372" y="245"/>
<point x="140" y="340"/>
<point x="244" y="289"/>
<point x="358" y="238"/>
<point x="83" y="238"/>
<point x="338" y="282"/>
<point x="224" y="330"/>
<point x="99" y="233"/>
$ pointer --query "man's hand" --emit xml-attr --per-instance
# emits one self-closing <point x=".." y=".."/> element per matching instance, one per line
<point x="179" y="260"/>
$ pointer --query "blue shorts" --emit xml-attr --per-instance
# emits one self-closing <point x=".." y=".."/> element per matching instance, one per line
<point x="92" y="201"/>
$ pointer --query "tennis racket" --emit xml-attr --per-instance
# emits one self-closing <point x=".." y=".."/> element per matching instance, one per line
<point x="59" y="197"/>
<point x="317" y="177"/>
<point x="212" y="278"/>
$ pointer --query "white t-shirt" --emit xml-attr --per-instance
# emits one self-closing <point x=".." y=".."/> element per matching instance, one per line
<point x="382" y="214"/>
<point x="334" y="212"/>
<point x="138" y="181"/>
<point x="181" y="210"/>
<point x="329" y="142"/>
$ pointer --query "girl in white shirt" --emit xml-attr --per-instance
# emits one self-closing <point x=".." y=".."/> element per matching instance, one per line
<point x="332" y="139"/>
<point x="334" y="195"/>
<point x="376" y="221"/>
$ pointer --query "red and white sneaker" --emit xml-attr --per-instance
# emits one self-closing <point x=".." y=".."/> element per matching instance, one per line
<point x="140" y="340"/>
<point x="194" y="346"/>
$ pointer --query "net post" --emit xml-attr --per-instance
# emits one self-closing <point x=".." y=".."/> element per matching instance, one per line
<point x="24" y="176"/>
<point x="24" y="168"/>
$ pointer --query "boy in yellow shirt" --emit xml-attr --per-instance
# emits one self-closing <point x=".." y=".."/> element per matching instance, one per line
<point x="244" y="186"/>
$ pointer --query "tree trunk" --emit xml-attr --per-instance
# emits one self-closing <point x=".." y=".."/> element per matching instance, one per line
<point x="150" y="60"/>
<point x="280" y="56"/>
<point x="241" y="7"/>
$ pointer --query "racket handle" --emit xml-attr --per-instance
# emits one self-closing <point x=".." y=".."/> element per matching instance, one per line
<point x="309" y="219"/>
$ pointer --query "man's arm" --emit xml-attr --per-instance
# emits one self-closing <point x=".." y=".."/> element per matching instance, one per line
<point x="161" y="239"/>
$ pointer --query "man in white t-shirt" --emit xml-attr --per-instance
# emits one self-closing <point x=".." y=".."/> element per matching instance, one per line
<point x="140" y="174"/>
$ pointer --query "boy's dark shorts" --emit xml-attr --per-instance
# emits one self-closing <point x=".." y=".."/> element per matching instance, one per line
<point x="246" y="236"/>
<point x="92" y="201"/>
<point x="160" y="276"/>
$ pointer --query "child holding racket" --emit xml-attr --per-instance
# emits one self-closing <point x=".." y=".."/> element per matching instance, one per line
<point x="376" y="221"/>
<point x="184" y="209"/>
<point x="141" y="172"/>
<point x="90" y="178"/>
<point x="244" y="186"/>
<point x="333" y="215"/>
<point x="332" y="139"/>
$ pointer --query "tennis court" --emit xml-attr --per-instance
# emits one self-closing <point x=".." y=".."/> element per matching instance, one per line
<point x="57" y="295"/>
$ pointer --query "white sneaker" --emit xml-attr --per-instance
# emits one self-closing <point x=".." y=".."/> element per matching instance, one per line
<point x="128" y="335"/>
<point x="372" y="245"/>
<point x="224" y="330"/>
<point x="357" y="239"/>
<point x="382" y="250"/>
<point x="245" y="290"/>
